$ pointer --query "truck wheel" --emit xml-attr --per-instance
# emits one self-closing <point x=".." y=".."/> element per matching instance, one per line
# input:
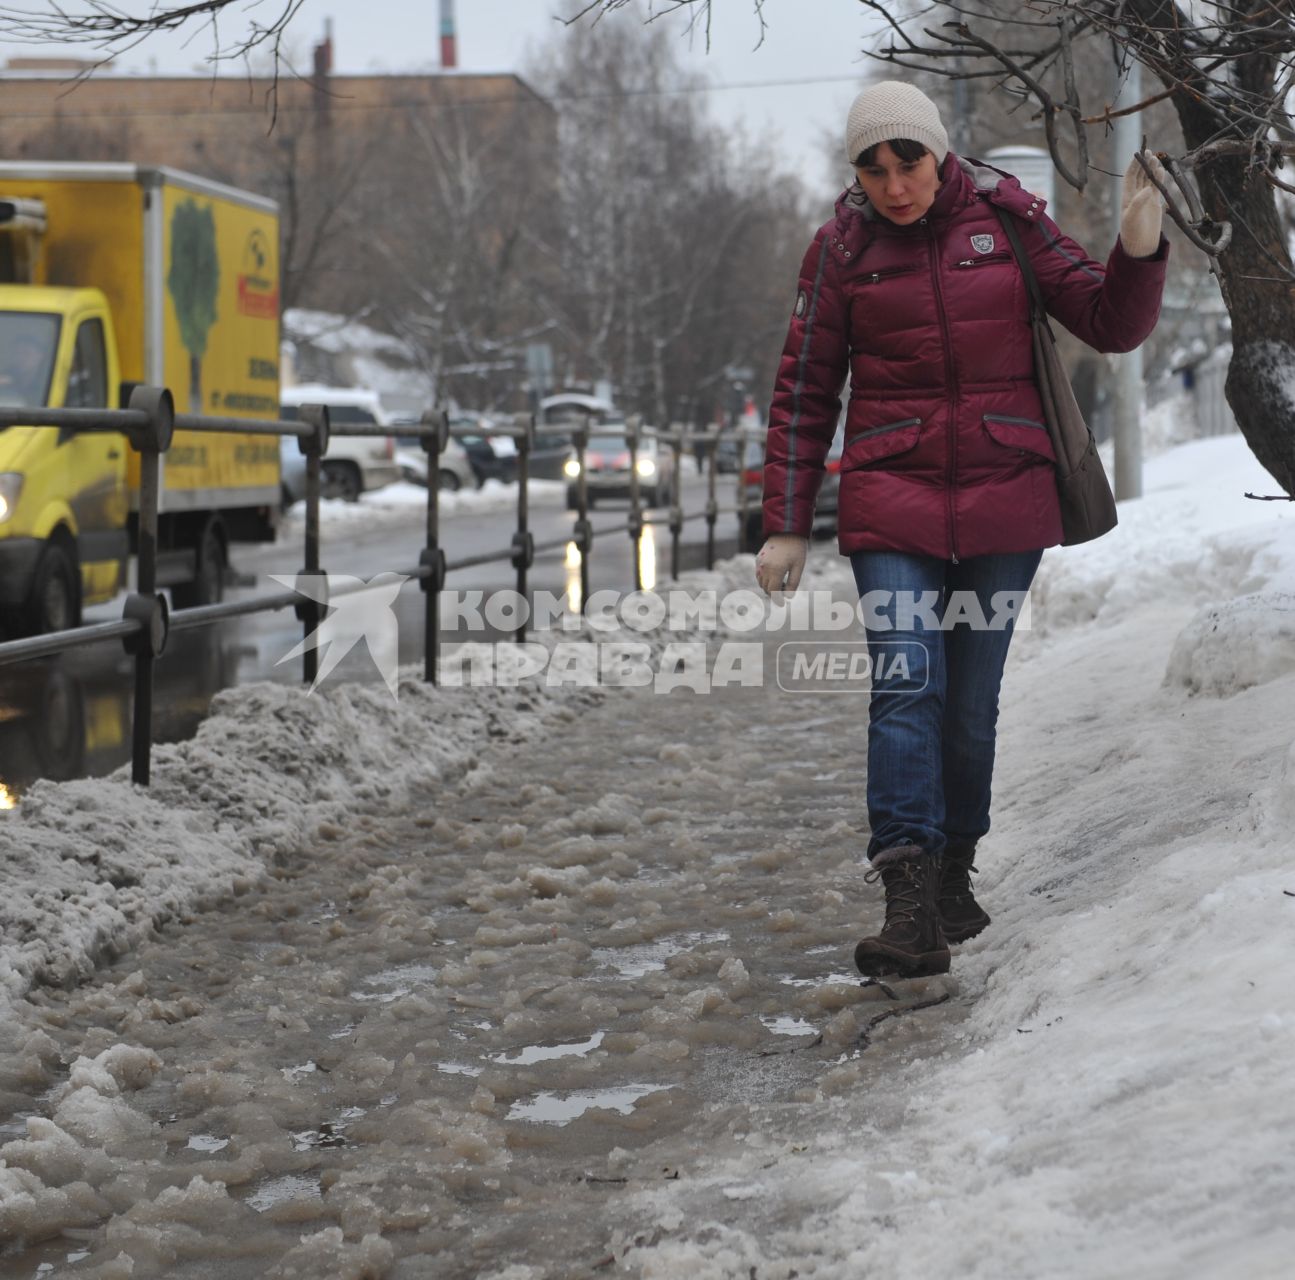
<point x="55" y="600"/>
<point x="342" y="480"/>
<point x="208" y="585"/>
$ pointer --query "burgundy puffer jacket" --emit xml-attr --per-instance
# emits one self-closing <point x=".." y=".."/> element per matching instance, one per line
<point x="946" y="453"/>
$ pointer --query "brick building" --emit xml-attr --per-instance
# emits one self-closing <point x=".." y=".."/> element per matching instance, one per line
<point x="346" y="156"/>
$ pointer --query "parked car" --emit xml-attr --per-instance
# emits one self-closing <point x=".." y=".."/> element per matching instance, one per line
<point x="753" y="479"/>
<point x="607" y="468"/>
<point x="492" y="457"/>
<point x="353" y="464"/>
<point x="567" y="405"/>
<point x="455" y="470"/>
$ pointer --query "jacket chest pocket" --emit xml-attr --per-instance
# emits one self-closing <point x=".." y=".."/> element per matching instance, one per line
<point x="870" y="279"/>
<point x="996" y="259"/>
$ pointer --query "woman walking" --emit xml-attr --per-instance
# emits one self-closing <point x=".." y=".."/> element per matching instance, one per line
<point x="948" y="493"/>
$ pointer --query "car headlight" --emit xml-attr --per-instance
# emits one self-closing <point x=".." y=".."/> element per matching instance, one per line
<point x="571" y="468"/>
<point x="646" y="467"/>
<point x="10" y="488"/>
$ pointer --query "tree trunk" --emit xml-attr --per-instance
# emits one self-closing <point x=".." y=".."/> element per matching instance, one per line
<point x="1261" y="376"/>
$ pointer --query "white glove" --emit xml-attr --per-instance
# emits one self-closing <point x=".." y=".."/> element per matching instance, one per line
<point x="782" y="558"/>
<point x="1141" y="208"/>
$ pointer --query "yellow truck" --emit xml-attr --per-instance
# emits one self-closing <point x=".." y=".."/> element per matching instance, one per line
<point x="112" y="275"/>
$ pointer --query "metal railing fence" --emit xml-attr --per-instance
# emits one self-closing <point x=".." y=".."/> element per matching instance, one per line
<point x="149" y="424"/>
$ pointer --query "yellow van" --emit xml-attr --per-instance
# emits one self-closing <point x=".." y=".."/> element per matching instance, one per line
<point x="113" y="275"/>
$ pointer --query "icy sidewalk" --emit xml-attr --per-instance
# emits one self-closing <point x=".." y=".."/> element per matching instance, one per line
<point x="446" y="1040"/>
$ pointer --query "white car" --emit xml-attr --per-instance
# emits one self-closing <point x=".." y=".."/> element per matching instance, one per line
<point x="453" y="465"/>
<point x="352" y="465"/>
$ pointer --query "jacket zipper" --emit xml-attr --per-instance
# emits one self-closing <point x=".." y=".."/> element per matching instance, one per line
<point x="876" y="277"/>
<point x="981" y="262"/>
<point x="952" y="373"/>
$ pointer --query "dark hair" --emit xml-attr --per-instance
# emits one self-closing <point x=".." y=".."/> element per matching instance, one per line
<point x="905" y="148"/>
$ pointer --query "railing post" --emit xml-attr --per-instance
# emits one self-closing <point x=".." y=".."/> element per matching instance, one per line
<point x="523" y="541"/>
<point x="433" y="558"/>
<point x="312" y="603"/>
<point x="676" y="506"/>
<point x="632" y="425"/>
<point x="584" y="533"/>
<point x="712" y="504"/>
<point x="145" y="606"/>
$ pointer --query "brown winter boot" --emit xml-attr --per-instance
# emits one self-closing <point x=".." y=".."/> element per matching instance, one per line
<point x="911" y="942"/>
<point x="961" y="916"/>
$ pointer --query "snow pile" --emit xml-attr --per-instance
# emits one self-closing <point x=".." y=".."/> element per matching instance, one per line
<point x="89" y="867"/>
<point x="1115" y="1101"/>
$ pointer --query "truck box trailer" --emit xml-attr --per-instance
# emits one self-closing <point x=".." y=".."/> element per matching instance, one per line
<point x="113" y="275"/>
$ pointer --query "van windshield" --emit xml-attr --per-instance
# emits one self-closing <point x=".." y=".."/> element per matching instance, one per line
<point x="28" y="345"/>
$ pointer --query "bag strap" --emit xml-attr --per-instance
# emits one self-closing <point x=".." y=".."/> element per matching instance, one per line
<point x="1027" y="267"/>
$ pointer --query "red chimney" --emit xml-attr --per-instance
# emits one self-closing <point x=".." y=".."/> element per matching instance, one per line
<point x="324" y="55"/>
<point x="449" y="41"/>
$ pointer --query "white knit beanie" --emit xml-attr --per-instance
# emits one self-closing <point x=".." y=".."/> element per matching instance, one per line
<point x="892" y="109"/>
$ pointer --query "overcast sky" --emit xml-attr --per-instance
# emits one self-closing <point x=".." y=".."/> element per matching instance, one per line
<point x="807" y="40"/>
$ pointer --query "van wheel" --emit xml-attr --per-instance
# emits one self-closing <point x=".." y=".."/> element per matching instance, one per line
<point x="341" y="480"/>
<point x="208" y="585"/>
<point x="55" y="600"/>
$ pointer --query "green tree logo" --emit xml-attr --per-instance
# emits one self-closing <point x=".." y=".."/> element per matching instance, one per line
<point x="194" y="279"/>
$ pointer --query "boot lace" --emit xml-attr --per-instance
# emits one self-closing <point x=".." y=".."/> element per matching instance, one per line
<point x="903" y="891"/>
<point x="955" y="881"/>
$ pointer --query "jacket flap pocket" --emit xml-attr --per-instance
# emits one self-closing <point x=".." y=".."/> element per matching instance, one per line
<point x="885" y="441"/>
<point x="1020" y="433"/>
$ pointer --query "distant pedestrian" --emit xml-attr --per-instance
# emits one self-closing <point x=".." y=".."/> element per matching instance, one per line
<point x="948" y="492"/>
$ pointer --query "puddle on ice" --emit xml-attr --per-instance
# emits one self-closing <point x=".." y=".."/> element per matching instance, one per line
<point x="329" y="1134"/>
<point x="458" y="1069"/>
<point x="292" y="1186"/>
<point x="294" y="1074"/>
<point x="15" y="1127"/>
<point x="402" y="979"/>
<point x="823" y="950"/>
<point x="786" y="1025"/>
<point x="546" y="1053"/>
<point x="342" y="1032"/>
<point x="850" y="979"/>
<point x="650" y="957"/>
<point x="562" y="1108"/>
<point x="206" y="1142"/>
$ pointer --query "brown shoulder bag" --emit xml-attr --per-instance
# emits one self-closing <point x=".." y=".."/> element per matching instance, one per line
<point x="1087" y="503"/>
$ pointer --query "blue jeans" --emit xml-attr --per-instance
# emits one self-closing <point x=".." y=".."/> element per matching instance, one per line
<point x="938" y="634"/>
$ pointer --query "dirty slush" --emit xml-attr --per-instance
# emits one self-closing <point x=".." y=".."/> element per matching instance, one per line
<point x="451" y="1042"/>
